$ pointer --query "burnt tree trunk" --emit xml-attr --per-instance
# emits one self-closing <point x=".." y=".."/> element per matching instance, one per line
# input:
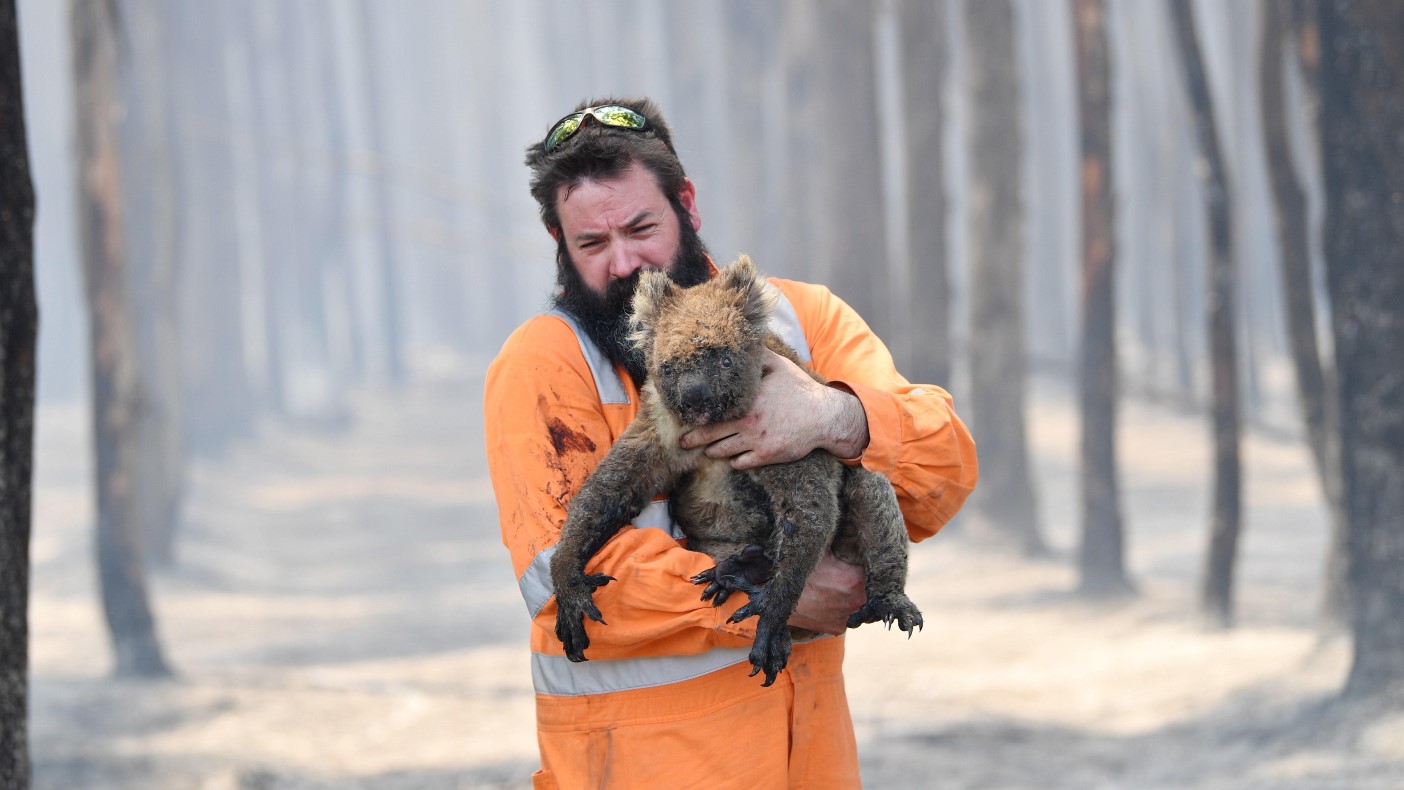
<point x="1217" y="593"/>
<point x="151" y="184"/>
<point x="804" y="234"/>
<point x="921" y="25"/>
<point x="18" y="327"/>
<point x="751" y="32"/>
<point x="116" y="394"/>
<point x="1102" y="554"/>
<point x="1315" y="394"/>
<point x="1362" y="139"/>
<point x="387" y="277"/>
<point x="850" y="182"/>
<point x="1005" y="508"/>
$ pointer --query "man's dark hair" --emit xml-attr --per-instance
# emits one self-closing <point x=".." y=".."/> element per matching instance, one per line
<point x="597" y="151"/>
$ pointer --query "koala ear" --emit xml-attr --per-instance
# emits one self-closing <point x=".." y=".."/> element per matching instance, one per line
<point x="756" y="297"/>
<point x="654" y="290"/>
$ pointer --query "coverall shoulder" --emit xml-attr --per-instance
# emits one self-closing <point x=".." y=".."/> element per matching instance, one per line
<point x="666" y="699"/>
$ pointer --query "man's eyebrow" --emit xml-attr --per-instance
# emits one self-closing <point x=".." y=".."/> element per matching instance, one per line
<point x="634" y="221"/>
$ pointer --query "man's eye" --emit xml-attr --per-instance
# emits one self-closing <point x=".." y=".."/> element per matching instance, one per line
<point x="644" y="228"/>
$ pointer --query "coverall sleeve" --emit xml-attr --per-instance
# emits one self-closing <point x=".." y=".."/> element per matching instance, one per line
<point x="545" y="431"/>
<point x="916" y="439"/>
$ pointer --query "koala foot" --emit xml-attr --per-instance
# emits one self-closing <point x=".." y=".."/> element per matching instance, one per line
<point x="747" y="571"/>
<point x="573" y="605"/>
<point x="891" y="608"/>
<point x="771" y="650"/>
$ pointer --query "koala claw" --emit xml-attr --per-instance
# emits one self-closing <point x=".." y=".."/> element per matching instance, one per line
<point x="572" y="607"/>
<point x="770" y="652"/>
<point x="752" y="608"/>
<point x="748" y="571"/>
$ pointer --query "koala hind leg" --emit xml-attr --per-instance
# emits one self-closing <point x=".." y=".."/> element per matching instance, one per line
<point x="872" y="532"/>
<point x="806" y="506"/>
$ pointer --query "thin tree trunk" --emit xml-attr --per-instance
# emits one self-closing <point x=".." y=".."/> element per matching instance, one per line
<point x="921" y="25"/>
<point x="116" y="388"/>
<point x="1005" y="508"/>
<point x="804" y="234"/>
<point x="1225" y="527"/>
<point x="18" y="327"/>
<point x="1315" y="394"/>
<point x="388" y="278"/>
<point x="1362" y="138"/>
<point x="160" y="472"/>
<point x="751" y="32"/>
<point x="1101" y="557"/>
<point x="850" y="180"/>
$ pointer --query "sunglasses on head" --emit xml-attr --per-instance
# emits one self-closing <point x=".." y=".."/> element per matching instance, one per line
<point x="608" y="114"/>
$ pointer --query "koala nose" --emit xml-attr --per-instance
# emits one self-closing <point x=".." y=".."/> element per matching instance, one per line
<point x="694" y="395"/>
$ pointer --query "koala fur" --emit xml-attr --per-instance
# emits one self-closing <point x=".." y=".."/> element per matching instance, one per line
<point x="704" y="350"/>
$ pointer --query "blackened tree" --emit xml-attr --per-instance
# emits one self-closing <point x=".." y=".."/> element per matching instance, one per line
<point x="1101" y="556"/>
<point x="922" y="27"/>
<point x="18" y="326"/>
<point x="1362" y="139"/>
<point x="1005" y="509"/>
<point x="116" y="395"/>
<point x="1217" y="593"/>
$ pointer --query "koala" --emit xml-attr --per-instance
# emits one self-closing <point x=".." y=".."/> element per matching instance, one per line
<point x="766" y="528"/>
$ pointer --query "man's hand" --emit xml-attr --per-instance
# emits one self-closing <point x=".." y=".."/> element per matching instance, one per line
<point x="792" y="416"/>
<point x="834" y="591"/>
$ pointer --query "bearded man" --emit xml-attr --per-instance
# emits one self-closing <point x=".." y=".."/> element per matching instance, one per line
<point x="666" y="699"/>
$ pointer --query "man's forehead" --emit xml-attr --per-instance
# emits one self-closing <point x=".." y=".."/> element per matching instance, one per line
<point x="618" y="200"/>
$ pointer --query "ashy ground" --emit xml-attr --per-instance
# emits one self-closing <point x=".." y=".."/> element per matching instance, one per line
<point x="343" y="615"/>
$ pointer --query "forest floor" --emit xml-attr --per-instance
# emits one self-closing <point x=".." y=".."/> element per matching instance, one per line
<point x="343" y="615"/>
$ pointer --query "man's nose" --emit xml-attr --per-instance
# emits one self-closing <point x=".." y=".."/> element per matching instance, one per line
<point x="624" y="261"/>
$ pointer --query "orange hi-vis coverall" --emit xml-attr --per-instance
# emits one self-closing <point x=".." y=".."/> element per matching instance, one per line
<point x="665" y="699"/>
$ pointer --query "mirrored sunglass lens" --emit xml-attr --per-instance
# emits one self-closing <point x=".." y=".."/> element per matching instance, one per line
<point x="614" y="115"/>
<point x="563" y="131"/>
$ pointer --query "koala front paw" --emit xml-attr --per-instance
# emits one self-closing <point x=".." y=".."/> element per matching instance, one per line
<point x="573" y="605"/>
<point x="747" y="571"/>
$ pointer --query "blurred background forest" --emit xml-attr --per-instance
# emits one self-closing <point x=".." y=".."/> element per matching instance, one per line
<point x="1154" y="248"/>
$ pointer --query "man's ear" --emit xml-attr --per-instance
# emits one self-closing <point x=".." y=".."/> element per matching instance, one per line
<point x="655" y="289"/>
<point x="555" y="232"/>
<point x="687" y="197"/>
<point x="754" y="295"/>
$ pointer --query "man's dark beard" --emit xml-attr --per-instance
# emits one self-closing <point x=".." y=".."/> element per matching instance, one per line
<point x="605" y="318"/>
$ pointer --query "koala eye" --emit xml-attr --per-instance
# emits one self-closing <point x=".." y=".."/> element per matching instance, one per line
<point x="666" y="368"/>
<point x="726" y="360"/>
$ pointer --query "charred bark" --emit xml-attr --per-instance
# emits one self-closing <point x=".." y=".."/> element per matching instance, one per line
<point x="1004" y="504"/>
<point x="1102" y="554"/>
<point x="19" y="319"/>
<point x="1362" y="139"/>
<point x="850" y="180"/>
<point x="921" y="25"/>
<point x="386" y="275"/>
<point x="1217" y="593"/>
<point x="1315" y="395"/>
<point x="116" y="390"/>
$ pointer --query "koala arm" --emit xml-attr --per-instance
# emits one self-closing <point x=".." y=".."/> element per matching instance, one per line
<point x="916" y="439"/>
<point x="545" y="432"/>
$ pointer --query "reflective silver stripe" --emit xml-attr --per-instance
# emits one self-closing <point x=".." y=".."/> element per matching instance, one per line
<point x="607" y="381"/>
<point x="559" y="676"/>
<point x="785" y="323"/>
<point x="536" y="585"/>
